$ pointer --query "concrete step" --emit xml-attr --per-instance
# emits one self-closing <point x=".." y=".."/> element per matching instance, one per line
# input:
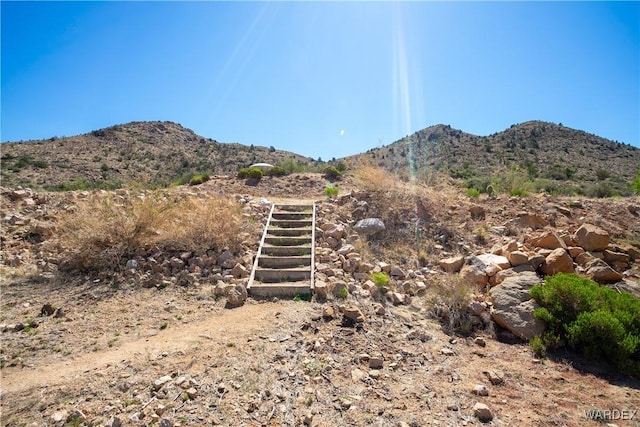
<point x="284" y="261"/>
<point x="283" y="289"/>
<point x="287" y="240"/>
<point x="272" y="231"/>
<point x="291" y="223"/>
<point x="269" y="250"/>
<point x="273" y="275"/>
<point x="290" y="216"/>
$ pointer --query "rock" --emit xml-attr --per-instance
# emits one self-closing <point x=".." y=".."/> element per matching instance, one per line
<point x="337" y="232"/>
<point x="480" y="342"/>
<point x="114" y="422"/>
<point x="338" y="288"/>
<point x="369" y="226"/>
<point x="499" y="260"/>
<point x="517" y="258"/>
<point x="495" y="377"/>
<point x="527" y="220"/>
<point x="592" y="238"/>
<point x="379" y="309"/>
<point x="176" y="263"/>
<point x="227" y="260"/>
<point x="236" y="296"/>
<point x="447" y="351"/>
<point x="600" y="271"/>
<point x="452" y="265"/>
<point x="160" y="382"/>
<point x="328" y="312"/>
<point x="477" y="212"/>
<point x="47" y="310"/>
<point x="320" y="289"/>
<point x="558" y="261"/>
<point x="239" y="271"/>
<point x="513" y="306"/>
<point x="358" y="374"/>
<point x="396" y="298"/>
<point x="353" y="314"/>
<point x="482" y="412"/>
<point x="474" y="274"/>
<point x="59" y="416"/>
<point x="547" y="240"/>
<point x="480" y="390"/>
<point x="376" y="362"/>
<point x="612" y="256"/>
<point x="397" y="272"/>
<point x="165" y="423"/>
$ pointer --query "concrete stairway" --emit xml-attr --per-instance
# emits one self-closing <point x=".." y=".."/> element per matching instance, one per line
<point x="284" y="263"/>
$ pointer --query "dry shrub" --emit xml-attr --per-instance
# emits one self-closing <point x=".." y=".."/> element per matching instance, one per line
<point x="200" y="225"/>
<point x="100" y="233"/>
<point x="450" y="301"/>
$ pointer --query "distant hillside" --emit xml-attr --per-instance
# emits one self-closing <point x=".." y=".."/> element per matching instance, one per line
<point x="153" y="152"/>
<point x="548" y="154"/>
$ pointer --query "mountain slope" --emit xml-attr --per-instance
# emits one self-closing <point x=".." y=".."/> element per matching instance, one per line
<point x="152" y="152"/>
<point x="541" y="150"/>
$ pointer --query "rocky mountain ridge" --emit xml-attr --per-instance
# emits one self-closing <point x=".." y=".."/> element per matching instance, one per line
<point x="159" y="153"/>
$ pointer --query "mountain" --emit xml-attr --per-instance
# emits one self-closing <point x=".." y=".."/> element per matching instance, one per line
<point x="545" y="152"/>
<point x="157" y="153"/>
<point x="550" y="156"/>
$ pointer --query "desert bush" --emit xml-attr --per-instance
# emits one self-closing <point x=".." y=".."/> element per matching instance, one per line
<point x="594" y="320"/>
<point x="380" y="278"/>
<point x="101" y="233"/>
<point x="472" y="192"/>
<point x="255" y="173"/>
<point x="331" y="173"/>
<point x="331" y="191"/>
<point x="636" y="184"/>
<point x="276" y="171"/>
<point x="199" y="179"/>
<point x="292" y="166"/>
<point x="600" y="190"/>
<point x="451" y="298"/>
<point x="243" y="173"/>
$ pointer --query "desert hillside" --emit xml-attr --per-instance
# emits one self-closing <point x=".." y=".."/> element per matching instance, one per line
<point x="148" y="153"/>
<point x="530" y="157"/>
<point x="129" y="307"/>
<point x="548" y="156"/>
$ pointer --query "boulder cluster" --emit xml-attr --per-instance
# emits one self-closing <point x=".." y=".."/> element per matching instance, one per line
<point x="511" y="268"/>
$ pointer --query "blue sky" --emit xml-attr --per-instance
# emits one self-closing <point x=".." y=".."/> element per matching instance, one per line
<point x="322" y="79"/>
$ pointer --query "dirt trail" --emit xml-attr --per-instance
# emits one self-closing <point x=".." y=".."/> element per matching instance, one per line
<point x="215" y="329"/>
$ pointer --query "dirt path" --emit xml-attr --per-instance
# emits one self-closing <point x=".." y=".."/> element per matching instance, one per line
<point x="216" y="329"/>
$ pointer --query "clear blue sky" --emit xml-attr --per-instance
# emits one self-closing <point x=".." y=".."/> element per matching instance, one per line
<point x="320" y="79"/>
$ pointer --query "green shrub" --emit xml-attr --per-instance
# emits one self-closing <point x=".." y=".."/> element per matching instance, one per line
<point x="518" y="192"/>
<point x="276" y="171"/>
<point x="344" y="293"/>
<point x="243" y="173"/>
<point x="331" y="191"/>
<point x="331" y="173"/>
<point x="255" y="173"/>
<point x="472" y="192"/>
<point x="380" y="278"/>
<point x="199" y="179"/>
<point x="594" y="320"/>
<point x="636" y="184"/>
<point x="601" y="190"/>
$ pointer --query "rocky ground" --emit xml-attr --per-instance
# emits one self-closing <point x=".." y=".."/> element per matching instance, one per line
<point x="129" y="348"/>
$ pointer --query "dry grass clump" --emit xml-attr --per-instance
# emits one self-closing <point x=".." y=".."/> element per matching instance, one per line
<point x="450" y="298"/>
<point x="100" y="233"/>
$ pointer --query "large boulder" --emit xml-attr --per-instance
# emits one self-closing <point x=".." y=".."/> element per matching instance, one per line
<point x="558" y="261"/>
<point x="369" y="226"/>
<point x="592" y="238"/>
<point x="600" y="271"/>
<point x="513" y="305"/>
